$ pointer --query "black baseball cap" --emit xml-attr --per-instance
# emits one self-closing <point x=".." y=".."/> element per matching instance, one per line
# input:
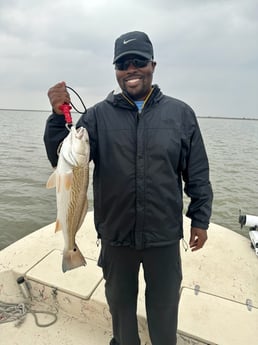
<point x="135" y="42"/>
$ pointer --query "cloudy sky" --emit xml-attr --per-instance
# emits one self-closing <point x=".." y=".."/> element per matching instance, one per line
<point x="206" y="50"/>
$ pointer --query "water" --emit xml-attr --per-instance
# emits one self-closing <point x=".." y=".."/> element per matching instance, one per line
<point x="26" y="204"/>
<point x="232" y="147"/>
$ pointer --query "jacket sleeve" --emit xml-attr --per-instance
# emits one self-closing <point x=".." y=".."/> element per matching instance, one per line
<point x="55" y="132"/>
<point x="196" y="177"/>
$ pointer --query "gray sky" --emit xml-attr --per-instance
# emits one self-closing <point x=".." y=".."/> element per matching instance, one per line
<point x="206" y="50"/>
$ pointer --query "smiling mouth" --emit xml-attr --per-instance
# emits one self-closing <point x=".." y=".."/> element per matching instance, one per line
<point x="132" y="81"/>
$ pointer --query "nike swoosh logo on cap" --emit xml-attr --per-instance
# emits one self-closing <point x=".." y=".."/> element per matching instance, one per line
<point x="130" y="40"/>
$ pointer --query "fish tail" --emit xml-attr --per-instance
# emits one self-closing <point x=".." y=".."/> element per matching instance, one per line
<point x="73" y="259"/>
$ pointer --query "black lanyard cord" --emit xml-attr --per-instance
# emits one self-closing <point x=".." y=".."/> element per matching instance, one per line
<point x="85" y="109"/>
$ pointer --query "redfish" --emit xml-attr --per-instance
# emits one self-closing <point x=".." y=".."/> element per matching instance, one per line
<point x="71" y="179"/>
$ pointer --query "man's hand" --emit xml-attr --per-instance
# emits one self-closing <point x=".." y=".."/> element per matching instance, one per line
<point x="198" y="238"/>
<point x="58" y="95"/>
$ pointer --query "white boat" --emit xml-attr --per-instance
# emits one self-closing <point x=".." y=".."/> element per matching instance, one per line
<point x="218" y="302"/>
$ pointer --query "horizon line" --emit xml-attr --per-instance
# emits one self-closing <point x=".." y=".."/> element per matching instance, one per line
<point x="198" y="116"/>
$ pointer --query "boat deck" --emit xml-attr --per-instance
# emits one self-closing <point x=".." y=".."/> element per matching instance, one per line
<point x="219" y="288"/>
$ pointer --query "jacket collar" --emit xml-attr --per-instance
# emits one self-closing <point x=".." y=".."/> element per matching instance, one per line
<point x="120" y="99"/>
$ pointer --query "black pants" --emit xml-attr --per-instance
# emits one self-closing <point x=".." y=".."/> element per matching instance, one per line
<point x="162" y="273"/>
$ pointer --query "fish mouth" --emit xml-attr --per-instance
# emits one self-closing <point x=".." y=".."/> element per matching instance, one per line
<point x="79" y="133"/>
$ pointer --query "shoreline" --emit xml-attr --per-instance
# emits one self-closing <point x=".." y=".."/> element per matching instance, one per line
<point x="198" y="116"/>
<point x="228" y="118"/>
<point x="31" y="110"/>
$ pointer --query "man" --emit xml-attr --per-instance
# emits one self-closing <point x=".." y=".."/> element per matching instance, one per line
<point x="144" y="145"/>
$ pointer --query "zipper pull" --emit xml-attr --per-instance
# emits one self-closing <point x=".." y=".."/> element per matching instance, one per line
<point x="185" y="245"/>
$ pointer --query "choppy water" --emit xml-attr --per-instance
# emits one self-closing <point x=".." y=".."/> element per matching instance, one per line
<point x="26" y="205"/>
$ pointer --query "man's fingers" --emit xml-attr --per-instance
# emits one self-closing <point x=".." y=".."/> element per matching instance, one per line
<point x="58" y="95"/>
<point x="197" y="239"/>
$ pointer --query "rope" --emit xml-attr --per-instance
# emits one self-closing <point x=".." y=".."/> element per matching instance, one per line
<point x="17" y="312"/>
<point x="11" y="312"/>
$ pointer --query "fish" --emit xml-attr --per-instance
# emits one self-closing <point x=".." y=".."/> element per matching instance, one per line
<point x="71" y="180"/>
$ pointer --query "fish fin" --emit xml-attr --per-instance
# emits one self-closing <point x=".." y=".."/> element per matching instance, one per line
<point x="51" y="183"/>
<point x="72" y="259"/>
<point x="58" y="226"/>
<point x="68" y="178"/>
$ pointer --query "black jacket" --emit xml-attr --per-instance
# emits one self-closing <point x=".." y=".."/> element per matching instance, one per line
<point x="140" y="160"/>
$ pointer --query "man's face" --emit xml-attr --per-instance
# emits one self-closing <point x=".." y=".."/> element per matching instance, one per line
<point x="136" y="81"/>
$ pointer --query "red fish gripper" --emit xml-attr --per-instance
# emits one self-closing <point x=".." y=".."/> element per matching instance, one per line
<point x="65" y="108"/>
